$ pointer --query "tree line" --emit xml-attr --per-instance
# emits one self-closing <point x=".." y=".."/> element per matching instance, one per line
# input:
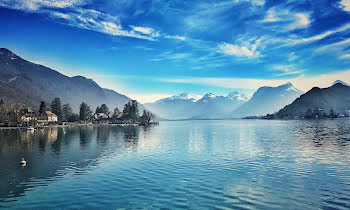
<point x="65" y="112"/>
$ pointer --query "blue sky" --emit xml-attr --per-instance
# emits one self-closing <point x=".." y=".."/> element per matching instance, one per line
<point x="149" y="49"/>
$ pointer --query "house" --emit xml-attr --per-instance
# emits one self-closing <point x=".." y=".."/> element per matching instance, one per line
<point x="28" y="117"/>
<point x="100" y="118"/>
<point x="118" y="118"/>
<point x="47" y="118"/>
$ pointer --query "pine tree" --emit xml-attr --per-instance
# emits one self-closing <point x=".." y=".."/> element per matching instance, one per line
<point x="67" y="111"/>
<point x="85" y="111"/>
<point x="131" y="111"/>
<point x="103" y="109"/>
<point x="57" y="108"/>
<point x="3" y="113"/>
<point x="42" y="108"/>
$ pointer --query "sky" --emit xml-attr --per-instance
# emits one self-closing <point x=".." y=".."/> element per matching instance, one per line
<point x="150" y="49"/>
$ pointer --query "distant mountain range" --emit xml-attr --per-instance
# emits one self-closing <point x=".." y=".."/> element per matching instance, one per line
<point x="336" y="97"/>
<point x="235" y="105"/>
<point x="268" y="100"/>
<point x="189" y="106"/>
<point x="27" y="83"/>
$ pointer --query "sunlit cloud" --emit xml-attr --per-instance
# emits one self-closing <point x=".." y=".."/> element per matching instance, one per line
<point x="248" y="49"/>
<point x="345" y="4"/>
<point x="345" y="56"/>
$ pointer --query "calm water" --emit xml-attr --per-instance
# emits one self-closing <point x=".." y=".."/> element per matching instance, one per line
<point x="240" y="164"/>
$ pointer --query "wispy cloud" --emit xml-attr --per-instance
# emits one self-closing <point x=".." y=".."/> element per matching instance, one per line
<point x="77" y="16"/>
<point x="146" y="30"/>
<point x="33" y="5"/>
<point x="345" y="56"/>
<point x="304" y="83"/>
<point x="279" y="17"/>
<point x="287" y="70"/>
<point x="337" y="47"/>
<point x="345" y="4"/>
<point x="320" y="36"/>
<point x="246" y="49"/>
<point x="183" y="38"/>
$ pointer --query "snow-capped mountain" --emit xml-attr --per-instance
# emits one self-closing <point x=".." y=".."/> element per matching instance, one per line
<point x="180" y="97"/>
<point x="341" y="82"/>
<point x="268" y="100"/>
<point x="237" y="96"/>
<point x="191" y="106"/>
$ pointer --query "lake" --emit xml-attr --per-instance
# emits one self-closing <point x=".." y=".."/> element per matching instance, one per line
<point x="223" y="164"/>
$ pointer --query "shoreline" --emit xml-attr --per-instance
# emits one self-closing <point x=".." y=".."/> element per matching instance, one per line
<point x="71" y="125"/>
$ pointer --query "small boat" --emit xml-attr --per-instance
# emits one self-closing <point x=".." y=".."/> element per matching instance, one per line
<point x="23" y="162"/>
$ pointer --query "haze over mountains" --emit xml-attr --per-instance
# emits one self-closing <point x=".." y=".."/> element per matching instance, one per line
<point x="189" y="106"/>
<point x="268" y="100"/>
<point x="24" y="82"/>
<point x="235" y="105"/>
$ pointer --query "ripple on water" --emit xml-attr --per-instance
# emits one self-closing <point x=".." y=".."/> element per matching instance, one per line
<point x="198" y="165"/>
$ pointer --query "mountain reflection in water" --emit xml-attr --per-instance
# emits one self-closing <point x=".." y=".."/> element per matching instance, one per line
<point x="182" y="164"/>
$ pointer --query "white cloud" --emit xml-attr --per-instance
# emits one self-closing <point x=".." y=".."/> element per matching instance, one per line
<point x="345" y="4"/>
<point x="335" y="47"/>
<point x="144" y="30"/>
<point x="287" y="70"/>
<point x="175" y="37"/>
<point x="171" y="56"/>
<point x="89" y="19"/>
<point x="247" y="49"/>
<point x="61" y="15"/>
<point x="289" y="19"/>
<point x="322" y="35"/>
<point x="254" y="2"/>
<point x="33" y="5"/>
<point x="345" y="56"/>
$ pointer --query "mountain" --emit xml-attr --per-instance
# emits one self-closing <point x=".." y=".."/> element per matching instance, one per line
<point x="267" y="100"/>
<point x="189" y="106"/>
<point x="341" y="82"/>
<point x="27" y="83"/>
<point x="336" y="97"/>
<point x="174" y="107"/>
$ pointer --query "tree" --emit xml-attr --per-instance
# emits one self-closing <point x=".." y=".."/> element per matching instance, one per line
<point x="103" y="109"/>
<point x="146" y="117"/>
<point x="73" y="118"/>
<point x="57" y="108"/>
<point x="308" y="114"/>
<point x="1" y="102"/>
<point x="131" y="111"/>
<point x="85" y="111"/>
<point x="67" y="111"/>
<point x="42" y="108"/>
<point x="3" y="113"/>
<point x="331" y="113"/>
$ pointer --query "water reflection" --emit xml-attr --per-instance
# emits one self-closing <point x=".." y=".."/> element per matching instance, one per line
<point x="192" y="164"/>
<point x="50" y="150"/>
